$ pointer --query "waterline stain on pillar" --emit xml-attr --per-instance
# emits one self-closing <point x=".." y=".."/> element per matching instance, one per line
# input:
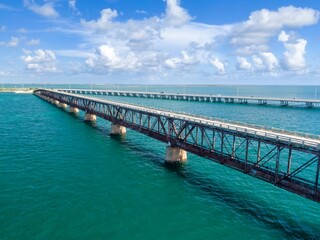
<point x="117" y="129"/>
<point x="63" y="105"/>
<point x="90" y="117"/>
<point x="73" y="110"/>
<point x="175" y="154"/>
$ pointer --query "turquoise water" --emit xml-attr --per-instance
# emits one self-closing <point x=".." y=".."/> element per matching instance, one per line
<point x="62" y="178"/>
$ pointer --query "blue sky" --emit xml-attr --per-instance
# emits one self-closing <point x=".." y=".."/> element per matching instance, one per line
<point x="160" y="41"/>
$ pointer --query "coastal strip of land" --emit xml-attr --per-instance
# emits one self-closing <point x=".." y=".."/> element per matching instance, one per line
<point x="17" y="90"/>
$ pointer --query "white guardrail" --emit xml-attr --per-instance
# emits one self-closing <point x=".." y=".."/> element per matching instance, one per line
<point x="303" y="139"/>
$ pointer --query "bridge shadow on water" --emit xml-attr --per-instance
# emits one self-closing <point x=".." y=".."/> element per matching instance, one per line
<point x="210" y="188"/>
<point x="239" y="202"/>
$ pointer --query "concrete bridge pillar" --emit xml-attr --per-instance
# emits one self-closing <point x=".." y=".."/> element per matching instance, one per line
<point x="90" y="117"/>
<point x="63" y="105"/>
<point x="117" y="129"/>
<point x="73" y="110"/>
<point x="175" y="154"/>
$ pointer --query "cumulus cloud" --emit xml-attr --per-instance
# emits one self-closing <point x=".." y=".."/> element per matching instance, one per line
<point x="172" y="62"/>
<point x="106" y="59"/>
<point x="103" y="23"/>
<point x="243" y="64"/>
<point x="218" y="65"/>
<point x="283" y="17"/>
<point x="106" y="54"/>
<point x="46" y="10"/>
<point x="175" y="14"/>
<point x="257" y="62"/>
<point x="174" y="40"/>
<point x="283" y="36"/>
<point x="182" y="61"/>
<point x="294" y="55"/>
<point x="265" y="61"/>
<point x="264" y="24"/>
<point x="43" y="61"/>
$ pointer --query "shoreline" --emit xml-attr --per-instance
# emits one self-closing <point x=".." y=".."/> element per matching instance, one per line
<point x="16" y="90"/>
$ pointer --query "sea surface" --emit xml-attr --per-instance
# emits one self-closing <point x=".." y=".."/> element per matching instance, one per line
<point x="62" y="178"/>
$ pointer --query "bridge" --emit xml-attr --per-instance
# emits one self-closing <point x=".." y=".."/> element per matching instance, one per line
<point x="284" y="159"/>
<point x="309" y="103"/>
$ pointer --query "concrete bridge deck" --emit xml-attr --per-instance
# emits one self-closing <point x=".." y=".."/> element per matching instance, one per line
<point x="284" y="159"/>
<point x="309" y="103"/>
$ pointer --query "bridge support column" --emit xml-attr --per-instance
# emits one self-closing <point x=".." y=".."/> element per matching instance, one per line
<point x="90" y="117"/>
<point x="56" y="102"/>
<point x="63" y="105"/>
<point x="175" y="154"/>
<point x="73" y="110"/>
<point x="117" y="129"/>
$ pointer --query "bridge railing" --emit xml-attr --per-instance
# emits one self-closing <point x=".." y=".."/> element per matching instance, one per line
<point x="242" y="125"/>
<point x="285" y="161"/>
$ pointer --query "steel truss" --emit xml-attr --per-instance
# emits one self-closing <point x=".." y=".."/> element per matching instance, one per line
<point x="290" y="167"/>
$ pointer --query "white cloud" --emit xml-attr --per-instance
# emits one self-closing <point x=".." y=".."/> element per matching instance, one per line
<point x="243" y="64"/>
<point x="141" y="11"/>
<point x="269" y="60"/>
<point x="283" y="36"/>
<point x="283" y="17"/>
<point x="182" y="61"/>
<point x="251" y="49"/>
<point x="46" y="10"/>
<point x="43" y="61"/>
<point x="33" y="42"/>
<point x="72" y="6"/>
<point x="257" y="62"/>
<point x="175" y="14"/>
<point x="107" y="53"/>
<point x="103" y="23"/>
<point x="264" y="24"/>
<point x="266" y="61"/>
<point x="172" y="62"/>
<point x="218" y="65"/>
<point x="175" y="41"/>
<point x="106" y="59"/>
<point x="294" y="55"/>
<point x="13" y="42"/>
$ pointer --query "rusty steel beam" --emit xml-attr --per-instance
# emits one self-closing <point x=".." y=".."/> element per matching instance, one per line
<point x="229" y="147"/>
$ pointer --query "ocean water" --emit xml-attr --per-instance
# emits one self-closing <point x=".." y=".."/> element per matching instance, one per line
<point x="62" y="178"/>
